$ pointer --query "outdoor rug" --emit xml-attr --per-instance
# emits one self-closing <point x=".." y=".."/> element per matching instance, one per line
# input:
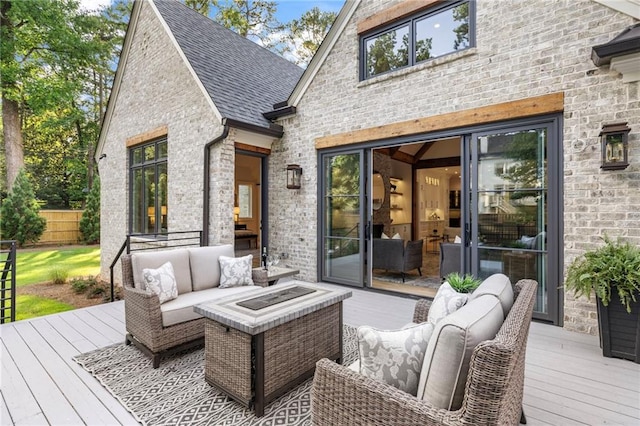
<point x="176" y="393"/>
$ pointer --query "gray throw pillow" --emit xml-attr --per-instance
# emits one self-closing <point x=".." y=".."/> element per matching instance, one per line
<point x="161" y="281"/>
<point x="235" y="271"/>
<point x="394" y="357"/>
<point x="445" y="302"/>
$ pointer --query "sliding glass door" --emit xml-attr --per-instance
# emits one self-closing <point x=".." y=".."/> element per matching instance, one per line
<point x="342" y="230"/>
<point x="513" y="212"/>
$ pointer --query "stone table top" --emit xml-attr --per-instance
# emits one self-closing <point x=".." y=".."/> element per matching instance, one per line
<point x="227" y="311"/>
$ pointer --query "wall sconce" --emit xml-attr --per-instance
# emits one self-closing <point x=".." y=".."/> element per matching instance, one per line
<point x="615" y="146"/>
<point x="294" y="176"/>
<point x="236" y="213"/>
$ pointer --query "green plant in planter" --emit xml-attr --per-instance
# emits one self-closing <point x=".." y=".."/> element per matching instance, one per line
<point x="462" y="284"/>
<point x="612" y="267"/>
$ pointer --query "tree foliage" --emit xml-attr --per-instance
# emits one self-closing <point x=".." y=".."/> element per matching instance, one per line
<point x="19" y="212"/>
<point x="306" y="34"/>
<point x="58" y="64"/>
<point x="90" y="221"/>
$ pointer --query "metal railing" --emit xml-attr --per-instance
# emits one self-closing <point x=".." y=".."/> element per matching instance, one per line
<point x="8" y="281"/>
<point x="161" y="241"/>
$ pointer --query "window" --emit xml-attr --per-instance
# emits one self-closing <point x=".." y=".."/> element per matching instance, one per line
<point x="148" y="187"/>
<point x="245" y="201"/>
<point x="427" y="35"/>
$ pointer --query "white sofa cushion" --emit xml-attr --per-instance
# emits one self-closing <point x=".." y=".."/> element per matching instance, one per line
<point x="394" y="356"/>
<point x="179" y="259"/>
<point x="497" y="285"/>
<point x="181" y="309"/>
<point x="205" y="268"/>
<point x="446" y="362"/>
<point x="161" y="281"/>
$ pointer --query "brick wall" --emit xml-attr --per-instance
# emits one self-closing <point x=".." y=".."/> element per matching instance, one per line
<point x="524" y="49"/>
<point x="158" y="90"/>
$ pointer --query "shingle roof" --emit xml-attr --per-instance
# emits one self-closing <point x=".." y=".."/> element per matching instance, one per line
<point x="242" y="78"/>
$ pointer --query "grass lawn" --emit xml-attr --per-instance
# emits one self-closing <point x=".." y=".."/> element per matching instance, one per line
<point x="34" y="267"/>
<point x="29" y="306"/>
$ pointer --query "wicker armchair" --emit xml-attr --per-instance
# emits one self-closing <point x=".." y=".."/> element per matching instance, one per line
<point x="493" y="393"/>
<point x="143" y="321"/>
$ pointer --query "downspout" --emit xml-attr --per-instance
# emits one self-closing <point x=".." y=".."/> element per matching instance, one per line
<point x="206" y="186"/>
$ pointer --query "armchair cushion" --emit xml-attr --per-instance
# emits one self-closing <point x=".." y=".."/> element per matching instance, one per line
<point x="394" y="357"/>
<point x="445" y="302"/>
<point x="497" y="285"/>
<point x="446" y="363"/>
<point x="235" y="271"/>
<point x="205" y="268"/>
<point x="179" y="259"/>
<point x="161" y="281"/>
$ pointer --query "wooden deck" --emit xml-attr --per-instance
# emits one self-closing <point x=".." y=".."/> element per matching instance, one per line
<point x="568" y="381"/>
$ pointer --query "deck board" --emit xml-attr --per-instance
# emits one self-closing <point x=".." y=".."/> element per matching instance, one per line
<point x="567" y="380"/>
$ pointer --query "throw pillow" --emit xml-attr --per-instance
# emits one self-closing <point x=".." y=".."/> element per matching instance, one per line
<point x="394" y="357"/>
<point x="235" y="271"/>
<point x="445" y="302"/>
<point x="396" y="237"/>
<point x="161" y="281"/>
<point x="457" y="239"/>
<point x="384" y="236"/>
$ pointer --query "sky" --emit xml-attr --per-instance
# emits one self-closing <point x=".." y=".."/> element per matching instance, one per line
<point x="287" y="9"/>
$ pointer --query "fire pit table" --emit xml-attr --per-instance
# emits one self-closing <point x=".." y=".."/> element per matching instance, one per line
<point x="260" y="345"/>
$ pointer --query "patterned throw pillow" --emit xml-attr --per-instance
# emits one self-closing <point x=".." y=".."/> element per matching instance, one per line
<point x="445" y="302"/>
<point x="394" y="357"/>
<point x="235" y="271"/>
<point x="161" y="281"/>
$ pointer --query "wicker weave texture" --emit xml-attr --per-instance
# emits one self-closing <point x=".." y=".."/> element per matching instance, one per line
<point x="228" y="360"/>
<point x="143" y="317"/>
<point x="293" y="348"/>
<point x="493" y="393"/>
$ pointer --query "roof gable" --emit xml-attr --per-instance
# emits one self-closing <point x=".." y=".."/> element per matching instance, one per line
<point x="243" y="79"/>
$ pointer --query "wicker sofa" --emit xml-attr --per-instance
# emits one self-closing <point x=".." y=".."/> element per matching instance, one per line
<point x="492" y="395"/>
<point x="158" y="329"/>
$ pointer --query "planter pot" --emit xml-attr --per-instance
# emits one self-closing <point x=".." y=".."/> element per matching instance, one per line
<point x="619" y="330"/>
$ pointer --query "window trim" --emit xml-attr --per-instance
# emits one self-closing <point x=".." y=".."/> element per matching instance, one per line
<point x="411" y="21"/>
<point x="157" y="162"/>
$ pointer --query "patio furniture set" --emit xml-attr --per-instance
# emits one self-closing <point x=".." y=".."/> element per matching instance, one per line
<point x="261" y="342"/>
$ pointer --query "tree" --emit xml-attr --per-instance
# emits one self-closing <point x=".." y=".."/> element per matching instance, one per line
<point x="253" y="19"/>
<point x="46" y="50"/>
<point x="90" y="221"/>
<point x="19" y="211"/>
<point x="306" y="34"/>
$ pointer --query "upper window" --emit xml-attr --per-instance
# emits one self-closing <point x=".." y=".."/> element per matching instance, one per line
<point x="427" y="35"/>
<point x="148" y="187"/>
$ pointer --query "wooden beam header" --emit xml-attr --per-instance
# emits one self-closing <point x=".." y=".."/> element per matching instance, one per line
<point x="545" y="104"/>
<point x="147" y="136"/>
<point x="394" y="13"/>
<point x="252" y="148"/>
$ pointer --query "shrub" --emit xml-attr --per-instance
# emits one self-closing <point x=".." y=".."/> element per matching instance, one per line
<point x="462" y="284"/>
<point x="19" y="211"/>
<point x="90" y="221"/>
<point x="81" y="285"/>
<point x="58" y="274"/>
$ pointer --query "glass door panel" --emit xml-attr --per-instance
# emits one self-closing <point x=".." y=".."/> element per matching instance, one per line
<point x="342" y="228"/>
<point x="509" y="207"/>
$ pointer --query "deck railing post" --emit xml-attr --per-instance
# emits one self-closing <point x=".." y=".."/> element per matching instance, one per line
<point x="9" y="268"/>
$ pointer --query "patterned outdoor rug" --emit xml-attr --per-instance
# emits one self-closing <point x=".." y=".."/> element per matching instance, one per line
<point x="177" y="394"/>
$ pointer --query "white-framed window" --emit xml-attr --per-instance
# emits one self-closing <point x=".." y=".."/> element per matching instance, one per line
<point x="245" y="200"/>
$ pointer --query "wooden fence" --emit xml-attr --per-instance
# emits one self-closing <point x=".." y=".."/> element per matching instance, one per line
<point x="63" y="227"/>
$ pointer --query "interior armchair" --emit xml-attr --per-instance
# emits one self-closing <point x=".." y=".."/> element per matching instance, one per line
<point x="393" y="255"/>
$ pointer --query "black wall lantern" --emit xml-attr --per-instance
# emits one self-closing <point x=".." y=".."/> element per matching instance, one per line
<point x="294" y="176"/>
<point x="615" y="146"/>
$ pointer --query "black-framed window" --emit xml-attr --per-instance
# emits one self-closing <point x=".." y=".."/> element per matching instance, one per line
<point x="148" y="184"/>
<point x="417" y="38"/>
